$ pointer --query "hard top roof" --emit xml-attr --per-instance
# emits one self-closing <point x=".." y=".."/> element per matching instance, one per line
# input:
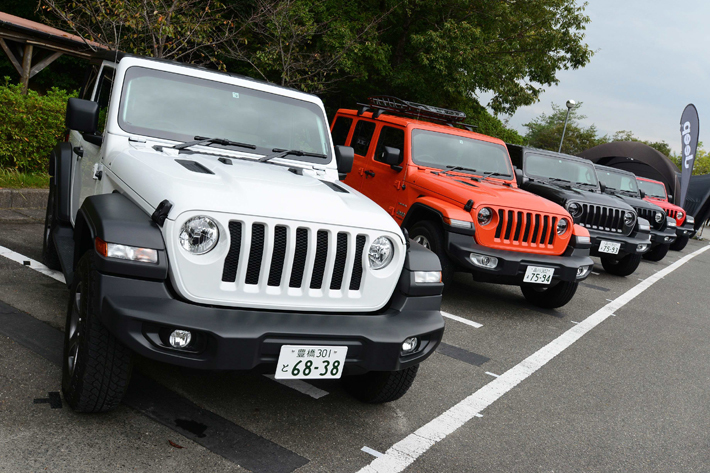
<point x="556" y="154"/>
<point x="616" y="170"/>
<point x="423" y="124"/>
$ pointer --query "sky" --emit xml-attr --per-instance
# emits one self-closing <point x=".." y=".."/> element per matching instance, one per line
<point x="652" y="58"/>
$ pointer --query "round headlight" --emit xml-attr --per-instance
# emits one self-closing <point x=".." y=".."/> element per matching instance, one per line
<point x="562" y="226"/>
<point x="679" y="216"/>
<point x="199" y="235"/>
<point x="574" y="209"/>
<point x="485" y="215"/>
<point x="629" y="219"/>
<point x="658" y="217"/>
<point x="380" y="253"/>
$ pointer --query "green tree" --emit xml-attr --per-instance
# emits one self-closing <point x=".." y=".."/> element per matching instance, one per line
<point x="625" y="135"/>
<point x="545" y="131"/>
<point x="702" y="160"/>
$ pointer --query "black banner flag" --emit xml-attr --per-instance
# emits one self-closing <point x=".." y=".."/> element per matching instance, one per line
<point x="689" y="131"/>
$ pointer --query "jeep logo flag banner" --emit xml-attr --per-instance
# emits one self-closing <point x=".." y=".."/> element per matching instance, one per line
<point x="689" y="131"/>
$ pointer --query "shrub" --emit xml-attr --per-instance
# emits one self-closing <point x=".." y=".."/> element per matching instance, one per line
<point x="30" y="126"/>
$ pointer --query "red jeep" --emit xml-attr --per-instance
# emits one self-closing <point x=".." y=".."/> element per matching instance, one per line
<point x="455" y="192"/>
<point x="655" y="191"/>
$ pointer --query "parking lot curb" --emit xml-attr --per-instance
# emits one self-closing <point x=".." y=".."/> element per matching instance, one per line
<point x="23" y="198"/>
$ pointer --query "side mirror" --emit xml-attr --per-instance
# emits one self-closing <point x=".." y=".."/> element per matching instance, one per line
<point x="519" y="178"/>
<point x="642" y="193"/>
<point x="344" y="157"/>
<point x="670" y="198"/>
<point x="391" y="156"/>
<point x="82" y="116"/>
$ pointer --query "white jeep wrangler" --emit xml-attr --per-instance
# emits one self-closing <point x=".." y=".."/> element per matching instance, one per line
<point x="199" y="220"/>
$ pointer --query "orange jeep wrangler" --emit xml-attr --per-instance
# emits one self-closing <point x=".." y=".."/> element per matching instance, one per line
<point x="455" y="193"/>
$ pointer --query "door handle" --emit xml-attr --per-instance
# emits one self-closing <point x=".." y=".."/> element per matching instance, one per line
<point x="79" y="151"/>
<point x="370" y="173"/>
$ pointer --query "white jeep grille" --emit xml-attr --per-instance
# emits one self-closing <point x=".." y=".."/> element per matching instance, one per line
<point x="286" y="265"/>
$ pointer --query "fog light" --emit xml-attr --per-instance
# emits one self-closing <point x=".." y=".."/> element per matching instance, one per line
<point x="583" y="271"/>
<point x="642" y="247"/>
<point x="667" y="239"/>
<point x="421" y="277"/>
<point x="484" y="261"/>
<point x="180" y="338"/>
<point x="409" y="345"/>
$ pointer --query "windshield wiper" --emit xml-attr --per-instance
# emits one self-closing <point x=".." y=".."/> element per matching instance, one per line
<point x="580" y="184"/>
<point x="460" y="168"/>
<point x="280" y="153"/>
<point x="203" y="140"/>
<point x="486" y="175"/>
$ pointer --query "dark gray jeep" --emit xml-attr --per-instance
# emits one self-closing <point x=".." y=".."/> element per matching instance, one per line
<point x="619" y="237"/>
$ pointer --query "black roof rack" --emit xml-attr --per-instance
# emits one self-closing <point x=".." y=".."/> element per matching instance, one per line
<point x="385" y="103"/>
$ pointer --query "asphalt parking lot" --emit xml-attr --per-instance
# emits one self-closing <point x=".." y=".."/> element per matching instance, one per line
<point x="617" y="380"/>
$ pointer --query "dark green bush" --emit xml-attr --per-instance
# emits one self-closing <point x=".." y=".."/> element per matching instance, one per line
<point x="30" y="126"/>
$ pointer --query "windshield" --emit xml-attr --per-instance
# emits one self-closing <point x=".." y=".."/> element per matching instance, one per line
<point x="618" y="181"/>
<point x="442" y="151"/>
<point x="653" y="189"/>
<point x="177" y="107"/>
<point x="549" y="167"/>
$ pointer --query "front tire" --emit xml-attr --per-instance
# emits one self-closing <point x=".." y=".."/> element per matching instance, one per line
<point x="680" y="243"/>
<point x="377" y="387"/>
<point x="430" y="236"/>
<point x="657" y="253"/>
<point x="621" y="267"/>
<point x="550" y="297"/>
<point x="97" y="367"/>
<point x="49" y="251"/>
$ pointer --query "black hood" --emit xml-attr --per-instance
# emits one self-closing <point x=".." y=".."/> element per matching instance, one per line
<point x="561" y="194"/>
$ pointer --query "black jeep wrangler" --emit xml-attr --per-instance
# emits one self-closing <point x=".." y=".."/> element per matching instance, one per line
<point x="619" y="237"/>
<point x="622" y="184"/>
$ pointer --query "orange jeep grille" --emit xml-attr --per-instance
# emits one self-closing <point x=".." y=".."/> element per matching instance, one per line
<point x="530" y="232"/>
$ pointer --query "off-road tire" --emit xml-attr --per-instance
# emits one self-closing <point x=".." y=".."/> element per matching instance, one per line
<point x="680" y="243"/>
<point x="433" y="233"/>
<point x="621" y="267"/>
<point x="377" y="387"/>
<point x="49" y="251"/>
<point x="657" y="253"/>
<point x="550" y="297"/>
<point x="102" y="367"/>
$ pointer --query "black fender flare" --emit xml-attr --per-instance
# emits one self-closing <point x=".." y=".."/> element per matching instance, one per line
<point x="418" y="209"/>
<point x="115" y="219"/>
<point x="60" y="169"/>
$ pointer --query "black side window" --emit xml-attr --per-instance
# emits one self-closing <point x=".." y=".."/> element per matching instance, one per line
<point x="103" y="94"/>
<point x="341" y="128"/>
<point x="362" y="137"/>
<point x="392" y="137"/>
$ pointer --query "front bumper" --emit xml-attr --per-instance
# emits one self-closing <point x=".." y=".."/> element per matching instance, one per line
<point x="629" y="244"/>
<point x="662" y="237"/>
<point x="513" y="264"/>
<point x="137" y="312"/>
<point x="685" y="230"/>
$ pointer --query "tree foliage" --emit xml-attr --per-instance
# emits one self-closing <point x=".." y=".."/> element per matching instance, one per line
<point x="31" y="125"/>
<point x="545" y="131"/>
<point x="702" y="160"/>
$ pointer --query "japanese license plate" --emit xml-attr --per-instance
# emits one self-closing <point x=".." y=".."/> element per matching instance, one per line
<point x="538" y="275"/>
<point x="310" y="362"/>
<point x="609" y="247"/>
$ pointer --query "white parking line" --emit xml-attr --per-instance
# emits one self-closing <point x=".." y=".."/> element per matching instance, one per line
<point x="300" y="386"/>
<point x="32" y="264"/>
<point x="372" y="452"/>
<point x="492" y="374"/>
<point x="461" y="319"/>
<point x="406" y="451"/>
